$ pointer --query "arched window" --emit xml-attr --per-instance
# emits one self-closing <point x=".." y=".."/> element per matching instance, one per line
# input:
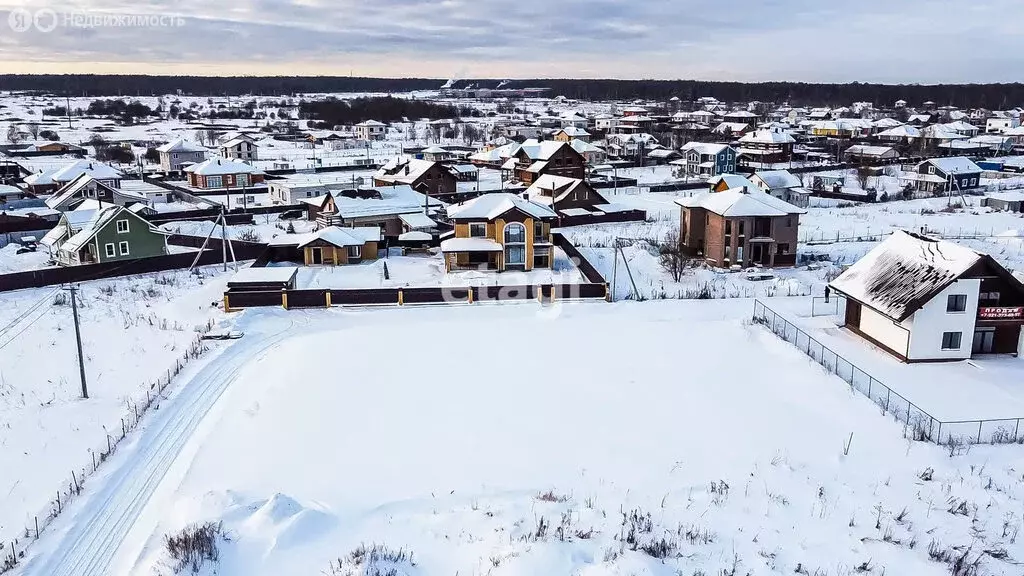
<point x="515" y="245"/>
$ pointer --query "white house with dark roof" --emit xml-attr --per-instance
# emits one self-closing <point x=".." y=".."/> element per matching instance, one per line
<point x="221" y="173"/>
<point x="924" y="299"/>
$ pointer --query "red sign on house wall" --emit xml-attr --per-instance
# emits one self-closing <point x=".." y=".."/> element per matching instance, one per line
<point x="1001" y="313"/>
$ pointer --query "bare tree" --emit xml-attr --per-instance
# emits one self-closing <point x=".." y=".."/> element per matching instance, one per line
<point x="14" y="135"/>
<point x="863" y="174"/>
<point x="33" y="129"/>
<point x="673" y="257"/>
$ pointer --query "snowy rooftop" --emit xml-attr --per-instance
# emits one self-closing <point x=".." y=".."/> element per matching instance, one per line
<point x="181" y="145"/>
<point x="731" y="181"/>
<point x="901" y="274"/>
<point x="767" y="137"/>
<point x="341" y="236"/>
<point x="776" y="179"/>
<point x="738" y="203"/>
<point x="217" y="166"/>
<point x="704" y="147"/>
<point x="490" y="206"/>
<point x="954" y="164"/>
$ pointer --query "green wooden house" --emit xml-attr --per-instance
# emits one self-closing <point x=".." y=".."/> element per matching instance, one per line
<point x="106" y="234"/>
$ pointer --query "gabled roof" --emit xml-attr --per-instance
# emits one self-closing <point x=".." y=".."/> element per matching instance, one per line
<point x="404" y="171"/>
<point x="550" y="188"/>
<point x="536" y="150"/>
<point x="69" y="172"/>
<point x="342" y="237"/>
<point x="767" y="137"/>
<point x="181" y="145"/>
<point x="392" y="201"/>
<point x="218" y="166"/>
<point x="954" y="165"/>
<point x="732" y="181"/>
<point x="903" y="131"/>
<point x="490" y="206"/>
<point x="703" y="148"/>
<point x="904" y="272"/>
<point x="776" y="179"/>
<point x="740" y="203"/>
<point x="865" y="150"/>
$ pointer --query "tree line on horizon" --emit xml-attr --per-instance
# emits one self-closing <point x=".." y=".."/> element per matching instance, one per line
<point x="991" y="96"/>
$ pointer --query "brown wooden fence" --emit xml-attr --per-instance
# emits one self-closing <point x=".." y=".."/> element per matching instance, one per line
<point x="323" y="298"/>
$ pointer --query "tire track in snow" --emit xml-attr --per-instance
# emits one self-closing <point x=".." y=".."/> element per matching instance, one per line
<point x="91" y="542"/>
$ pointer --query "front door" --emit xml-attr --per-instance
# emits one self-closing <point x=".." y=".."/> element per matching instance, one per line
<point x="756" y="252"/>
<point x="318" y="256"/>
<point x="984" y="341"/>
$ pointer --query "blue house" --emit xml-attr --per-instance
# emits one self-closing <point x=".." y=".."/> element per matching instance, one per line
<point x="706" y="160"/>
<point x="943" y="175"/>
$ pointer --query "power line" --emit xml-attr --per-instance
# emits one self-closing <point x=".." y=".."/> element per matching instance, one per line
<point x="28" y="311"/>
<point x="26" y="327"/>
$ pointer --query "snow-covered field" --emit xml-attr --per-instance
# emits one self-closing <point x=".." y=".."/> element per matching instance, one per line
<point x="133" y="330"/>
<point x="652" y="439"/>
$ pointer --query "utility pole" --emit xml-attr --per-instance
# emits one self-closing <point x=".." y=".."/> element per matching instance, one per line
<point x="224" y="237"/>
<point x="78" y="338"/>
<point x="67" y="99"/>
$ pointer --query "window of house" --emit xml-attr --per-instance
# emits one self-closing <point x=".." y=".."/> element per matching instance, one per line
<point x="355" y="251"/>
<point x="789" y="222"/>
<point x="477" y="230"/>
<point x="956" y="303"/>
<point x="123" y="247"/>
<point x="741" y="228"/>
<point x="974" y="182"/>
<point x="538" y="230"/>
<point x="242" y="179"/>
<point x="122" y="226"/>
<point x="951" y="340"/>
<point x="728" y="251"/>
<point x="214" y="181"/>
<point x="728" y="226"/>
<point x="931" y="169"/>
<point x="110" y="250"/>
<point x="542" y="257"/>
<point x="783" y="248"/>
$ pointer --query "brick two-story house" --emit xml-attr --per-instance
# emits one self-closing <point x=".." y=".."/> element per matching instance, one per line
<point x="741" y="226"/>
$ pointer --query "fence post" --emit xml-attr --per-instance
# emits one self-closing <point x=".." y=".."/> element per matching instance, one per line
<point x="888" y="394"/>
<point x="37" y="527"/>
<point x="980" y="422"/>
<point x="938" y="438"/>
<point x="1016" y="429"/>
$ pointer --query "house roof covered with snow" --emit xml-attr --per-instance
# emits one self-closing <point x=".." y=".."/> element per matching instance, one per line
<point x="767" y="137"/>
<point x="954" y="165"/>
<point x="705" y="148"/>
<point x="491" y="206"/>
<point x="342" y="237"/>
<point x="731" y="181"/>
<point x="904" y="272"/>
<point x="218" y="166"/>
<point x="181" y="145"/>
<point x="776" y="179"/>
<point x="69" y="172"/>
<point x="740" y="203"/>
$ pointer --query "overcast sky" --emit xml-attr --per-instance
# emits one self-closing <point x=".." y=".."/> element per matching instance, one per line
<point x="895" y="41"/>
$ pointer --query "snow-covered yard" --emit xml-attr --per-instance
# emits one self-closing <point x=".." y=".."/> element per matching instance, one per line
<point x="133" y="330"/>
<point x="979" y="389"/>
<point x="653" y="439"/>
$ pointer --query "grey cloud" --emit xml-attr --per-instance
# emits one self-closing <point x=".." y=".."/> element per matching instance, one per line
<point x="916" y="40"/>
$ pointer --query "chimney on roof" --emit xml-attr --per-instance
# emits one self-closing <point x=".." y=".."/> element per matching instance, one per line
<point x="745" y="191"/>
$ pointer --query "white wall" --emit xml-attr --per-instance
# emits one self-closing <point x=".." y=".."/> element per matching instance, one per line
<point x="932" y="320"/>
<point x="884" y="330"/>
